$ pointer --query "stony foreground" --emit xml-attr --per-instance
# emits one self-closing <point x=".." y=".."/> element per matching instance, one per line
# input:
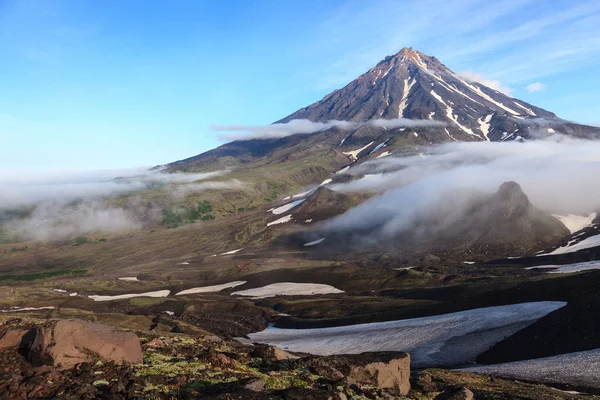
<point x="73" y="359"/>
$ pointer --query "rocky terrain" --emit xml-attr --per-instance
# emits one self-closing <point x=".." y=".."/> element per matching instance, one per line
<point x="209" y="367"/>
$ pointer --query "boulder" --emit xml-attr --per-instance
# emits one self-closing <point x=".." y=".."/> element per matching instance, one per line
<point x="65" y="343"/>
<point x="387" y="370"/>
<point x="12" y="338"/>
<point x="272" y="354"/>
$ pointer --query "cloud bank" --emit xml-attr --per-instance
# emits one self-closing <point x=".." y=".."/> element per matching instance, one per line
<point x="306" y="126"/>
<point x="557" y="175"/>
<point x="57" y="204"/>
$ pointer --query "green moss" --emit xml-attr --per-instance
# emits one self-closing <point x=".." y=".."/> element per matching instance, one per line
<point x="145" y="301"/>
<point x="42" y="275"/>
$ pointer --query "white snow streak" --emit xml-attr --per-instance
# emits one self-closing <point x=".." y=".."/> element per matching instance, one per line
<point x="281" y="220"/>
<point x="287" y="207"/>
<point x="405" y="92"/>
<point x="18" y="309"/>
<point x="231" y="252"/>
<point x="452" y="117"/>
<point x="129" y="279"/>
<point x="159" y="293"/>
<point x="484" y="125"/>
<point x="384" y="154"/>
<point x="313" y="242"/>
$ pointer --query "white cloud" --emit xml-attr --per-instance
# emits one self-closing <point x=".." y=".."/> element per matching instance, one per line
<point x="306" y="126"/>
<point x="470" y="76"/>
<point x="535" y="87"/>
<point x="557" y="176"/>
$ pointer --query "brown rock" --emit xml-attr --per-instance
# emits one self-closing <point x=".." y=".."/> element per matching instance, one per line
<point x="387" y="370"/>
<point x="456" y="394"/>
<point x="255" y="385"/>
<point x="66" y="343"/>
<point x="272" y="354"/>
<point x="12" y="338"/>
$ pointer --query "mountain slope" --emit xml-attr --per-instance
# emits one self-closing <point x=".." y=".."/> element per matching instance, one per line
<point x="406" y="85"/>
<point x="477" y="226"/>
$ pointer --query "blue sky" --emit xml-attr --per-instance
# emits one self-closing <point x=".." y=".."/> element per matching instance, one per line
<point x="116" y="84"/>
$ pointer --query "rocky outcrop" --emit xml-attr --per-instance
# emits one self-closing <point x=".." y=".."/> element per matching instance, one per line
<point x="12" y="338"/>
<point x="461" y="393"/>
<point x="387" y="370"/>
<point x="65" y="343"/>
<point x="272" y="354"/>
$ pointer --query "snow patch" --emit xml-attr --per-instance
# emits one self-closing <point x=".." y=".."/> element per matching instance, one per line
<point x="354" y="153"/>
<point x="129" y="279"/>
<point x="158" y="293"/>
<point x="384" y="154"/>
<point x="288" y="289"/>
<point x="211" y="289"/>
<point x="484" y="125"/>
<point x="73" y="294"/>
<point x="60" y="290"/>
<point x="281" y="220"/>
<point x="327" y="181"/>
<point x="550" y="130"/>
<point x="287" y="207"/>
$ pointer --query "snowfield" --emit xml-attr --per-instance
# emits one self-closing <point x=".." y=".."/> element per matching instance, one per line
<point x="211" y="289"/>
<point x="576" y="222"/>
<point x="568" y="268"/>
<point x="592" y="241"/>
<point x="443" y="340"/>
<point x="577" y="369"/>
<point x="287" y="289"/>
<point x="158" y="293"/>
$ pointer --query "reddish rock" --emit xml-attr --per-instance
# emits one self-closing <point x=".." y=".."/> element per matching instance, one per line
<point x="65" y="343"/>
<point x="11" y="338"/>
